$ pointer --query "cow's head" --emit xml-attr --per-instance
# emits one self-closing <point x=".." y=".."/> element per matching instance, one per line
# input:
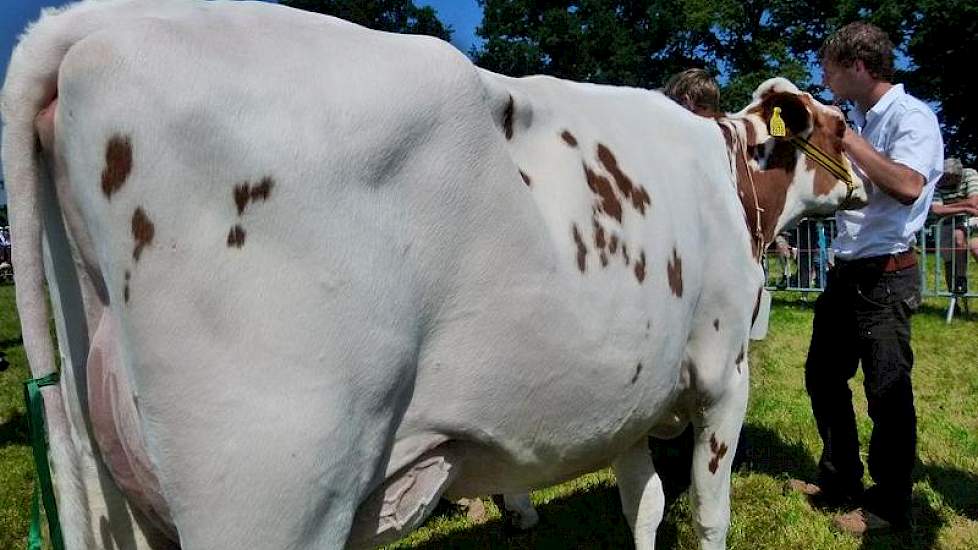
<point x="799" y="171"/>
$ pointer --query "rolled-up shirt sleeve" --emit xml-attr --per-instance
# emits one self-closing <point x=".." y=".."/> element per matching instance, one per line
<point x="916" y="142"/>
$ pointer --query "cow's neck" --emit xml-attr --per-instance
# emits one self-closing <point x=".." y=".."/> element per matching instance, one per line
<point x="763" y="192"/>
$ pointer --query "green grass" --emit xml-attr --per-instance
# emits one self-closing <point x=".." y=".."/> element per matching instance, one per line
<point x="779" y="439"/>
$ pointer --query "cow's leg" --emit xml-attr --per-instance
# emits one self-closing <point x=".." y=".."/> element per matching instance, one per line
<point x="640" y="489"/>
<point x="520" y="511"/>
<point x="718" y="422"/>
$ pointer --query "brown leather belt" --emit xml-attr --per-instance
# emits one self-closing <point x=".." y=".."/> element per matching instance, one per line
<point x="888" y="263"/>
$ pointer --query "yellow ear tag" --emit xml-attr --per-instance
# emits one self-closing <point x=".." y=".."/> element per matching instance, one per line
<point x="777" y="125"/>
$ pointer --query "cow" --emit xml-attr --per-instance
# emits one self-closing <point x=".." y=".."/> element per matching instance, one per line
<point x="308" y="278"/>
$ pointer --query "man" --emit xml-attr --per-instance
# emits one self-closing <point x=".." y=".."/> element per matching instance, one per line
<point x="956" y="197"/>
<point x="873" y="289"/>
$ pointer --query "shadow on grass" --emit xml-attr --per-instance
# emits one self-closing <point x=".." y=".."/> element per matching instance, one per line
<point x="14" y="430"/>
<point x="762" y="450"/>
<point x="11" y="342"/>
<point x="958" y="488"/>
<point x="581" y="520"/>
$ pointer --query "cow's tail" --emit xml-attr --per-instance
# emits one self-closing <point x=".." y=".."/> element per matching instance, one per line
<point x="30" y="85"/>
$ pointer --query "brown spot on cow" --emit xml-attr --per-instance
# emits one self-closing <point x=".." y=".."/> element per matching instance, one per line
<point x="508" y="118"/>
<point x="610" y="164"/>
<point x="125" y="289"/>
<point x="236" y="237"/>
<point x="640" y="267"/>
<point x="569" y="138"/>
<point x="638" y="370"/>
<point x="639" y="197"/>
<point x="242" y="194"/>
<point x="674" y="269"/>
<point x="142" y="232"/>
<point x="262" y="190"/>
<point x="719" y="450"/>
<point x="581" y="249"/>
<point x="613" y="244"/>
<point x="604" y="259"/>
<point x="526" y="179"/>
<point x="599" y="239"/>
<point x="118" y="164"/>
<point x="602" y="188"/>
<point x="740" y="358"/>
<point x="716" y="325"/>
<point x="624" y="254"/>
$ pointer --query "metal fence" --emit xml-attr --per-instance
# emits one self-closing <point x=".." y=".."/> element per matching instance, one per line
<point x="947" y="248"/>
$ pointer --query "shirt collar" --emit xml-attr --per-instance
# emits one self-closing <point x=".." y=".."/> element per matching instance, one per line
<point x="884" y="102"/>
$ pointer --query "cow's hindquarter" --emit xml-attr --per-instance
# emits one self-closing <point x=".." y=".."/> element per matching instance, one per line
<point x="265" y="249"/>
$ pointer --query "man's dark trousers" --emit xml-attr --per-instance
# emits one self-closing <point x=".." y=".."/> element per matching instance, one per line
<point x="864" y="316"/>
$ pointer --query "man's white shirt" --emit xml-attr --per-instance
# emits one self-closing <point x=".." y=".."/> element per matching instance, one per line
<point x="905" y="130"/>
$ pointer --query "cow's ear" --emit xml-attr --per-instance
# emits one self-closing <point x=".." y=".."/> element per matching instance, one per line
<point x="791" y="109"/>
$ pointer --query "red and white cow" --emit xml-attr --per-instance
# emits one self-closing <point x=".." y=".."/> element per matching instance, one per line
<point x="312" y="277"/>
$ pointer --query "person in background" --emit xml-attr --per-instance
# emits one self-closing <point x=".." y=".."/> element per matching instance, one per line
<point x="695" y="90"/>
<point x="957" y="196"/>
<point x="863" y="317"/>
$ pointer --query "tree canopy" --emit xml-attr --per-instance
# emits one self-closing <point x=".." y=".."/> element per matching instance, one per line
<point x="384" y="15"/>
<point x="743" y="42"/>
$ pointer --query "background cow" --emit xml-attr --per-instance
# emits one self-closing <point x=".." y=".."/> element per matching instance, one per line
<point x="327" y="275"/>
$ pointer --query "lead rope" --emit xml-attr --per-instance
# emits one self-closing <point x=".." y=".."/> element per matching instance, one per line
<point x="758" y="230"/>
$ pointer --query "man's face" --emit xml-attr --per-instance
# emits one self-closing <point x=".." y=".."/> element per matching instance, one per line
<point x="841" y="80"/>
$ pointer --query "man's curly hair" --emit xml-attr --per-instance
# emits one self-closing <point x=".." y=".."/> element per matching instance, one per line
<point x="864" y="42"/>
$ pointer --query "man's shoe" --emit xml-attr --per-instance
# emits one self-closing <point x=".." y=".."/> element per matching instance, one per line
<point x="803" y="487"/>
<point x="819" y="497"/>
<point x="860" y="522"/>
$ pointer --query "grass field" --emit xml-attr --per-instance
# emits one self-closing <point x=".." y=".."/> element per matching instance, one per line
<point x="779" y="441"/>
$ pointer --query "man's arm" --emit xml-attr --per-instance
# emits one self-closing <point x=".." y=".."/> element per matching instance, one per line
<point x="963" y="207"/>
<point x="896" y="180"/>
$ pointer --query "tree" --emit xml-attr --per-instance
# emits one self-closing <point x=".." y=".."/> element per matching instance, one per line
<point x="384" y="15"/>
<point x="643" y="42"/>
